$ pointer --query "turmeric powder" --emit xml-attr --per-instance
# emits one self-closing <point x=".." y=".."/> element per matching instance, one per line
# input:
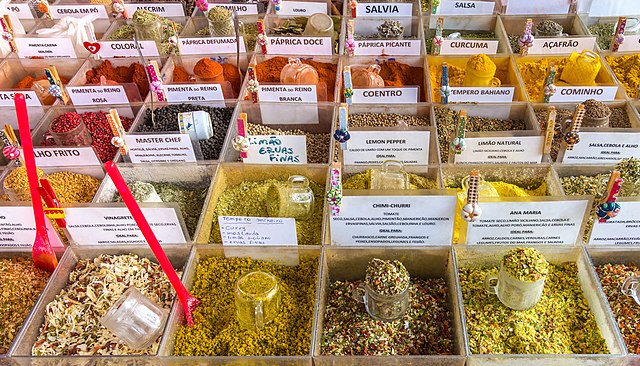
<point x="627" y="70"/>
<point x="481" y="63"/>
<point x="534" y="74"/>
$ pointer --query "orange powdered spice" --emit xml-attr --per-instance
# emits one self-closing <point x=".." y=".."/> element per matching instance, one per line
<point x="232" y="75"/>
<point x="133" y="73"/>
<point x="180" y="75"/>
<point x="208" y="69"/>
<point x="28" y="81"/>
<point x="269" y="72"/>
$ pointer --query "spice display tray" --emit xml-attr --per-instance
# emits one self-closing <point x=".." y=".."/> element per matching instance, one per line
<point x="274" y="20"/>
<point x="199" y="22"/>
<point x="366" y="29"/>
<point x="475" y="24"/>
<point x="571" y="24"/>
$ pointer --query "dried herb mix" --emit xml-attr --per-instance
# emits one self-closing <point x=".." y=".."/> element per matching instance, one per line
<point x="560" y="323"/>
<point x="525" y="264"/>
<point x="217" y="332"/>
<point x="425" y="329"/>
<point x="363" y="181"/>
<point x="72" y="320"/>
<point x="387" y="277"/>
<point x="20" y="285"/>
<point x="249" y="199"/>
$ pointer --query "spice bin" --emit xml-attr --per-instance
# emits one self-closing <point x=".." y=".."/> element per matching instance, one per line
<point x="384" y="36"/>
<point x="243" y="184"/>
<point x="269" y="119"/>
<point x="604" y="28"/>
<point x="186" y="185"/>
<point x="178" y="256"/>
<point x="160" y="29"/>
<point x="572" y="29"/>
<point x="198" y="28"/>
<point x="621" y="67"/>
<point x="572" y="279"/>
<point x="284" y="34"/>
<point x="441" y="338"/>
<point x="477" y="34"/>
<point x="293" y="267"/>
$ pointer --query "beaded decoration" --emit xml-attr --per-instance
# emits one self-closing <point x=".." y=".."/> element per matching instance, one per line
<point x="334" y="194"/>
<point x="241" y="142"/>
<point x="618" y="35"/>
<point x="458" y="143"/>
<point x="350" y="43"/>
<point x="342" y="133"/>
<point x="119" y="11"/>
<point x="526" y="39"/>
<point x="471" y="210"/>
<point x="550" y="129"/>
<point x="262" y="36"/>
<point x="609" y="208"/>
<point x="155" y="83"/>
<point x="445" y="89"/>
<point x="252" y="84"/>
<point x="7" y="32"/>
<point x="549" y="87"/>
<point x="437" y="40"/>
<point x="113" y="118"/>
<point x="572" y="137"/>
<point x="348" y="86"/>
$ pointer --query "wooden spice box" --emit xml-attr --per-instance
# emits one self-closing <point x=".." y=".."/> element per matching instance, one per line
<point x="465" y="24"/>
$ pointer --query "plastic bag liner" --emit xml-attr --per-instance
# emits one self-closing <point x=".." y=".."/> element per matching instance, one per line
<point x="80" y="30"/>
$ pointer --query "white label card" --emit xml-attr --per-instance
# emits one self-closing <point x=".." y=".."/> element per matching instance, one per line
<point x="374" y="147"/>
<point x="301" y="8"/>
<point x="374" y="47"/>
<point x="450" y="7"/>
<point x="581" y="93"/>
<point x="281" y="149"/>
<point x="603" y="148"/>
<point x="115" y="225"/>
<point x="375" y="10"/>
<point x="394" y="220"/>
<point x="160" y="148"/>
<point x="288" y="93"/>
<point x="623" y="229"/>
<point x="242" y="9"/>
<point x="468" y="94"/>
<point x="521" y="223"/>
<point x="6" y="98"/>
<point x="66" y="156"/>
<point x="631" y="43"/>
<point x="110" y="49"/>
<point x="299" y="45"/>
<point x="383" y="96"/>
<point x="538" y="7"/>
<point x="561" y="45"/>
<point x="78" y="11"/>
<point x="97" y="94"/>
<point x="202" y="45"/>
<point x="468" y="46"/>
<point x="29" y="47"/>
<point x="242" y="230"/>
<point x="294" y="114"/>
<point x="23" y="10"/>
<point x="18" y="228"/>
<point x="193" y="93"/>
<point x="166" y="10"/>
<point x="502" y="150"/>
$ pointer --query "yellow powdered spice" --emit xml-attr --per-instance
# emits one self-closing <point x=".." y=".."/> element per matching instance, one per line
<point x="481" y="63"/>
<point x="456" y="77"/>
<point x="497" y="189"/>
<point x="534" y="74"/>
<point x="627" y="70"/>
<point x="363" y="181"/>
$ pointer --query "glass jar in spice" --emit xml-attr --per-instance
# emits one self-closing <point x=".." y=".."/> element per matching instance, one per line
<point x="295" y="199"/>
<point x="319" y="25"/>
<point x="16" y="184"/>
<point x="480" y="71"/>
<point x="295" y="72"/>
<point x="391" y="176"/>
<point x="520" y="281"/>
<point x="220" y="22"/>
<point x="257" y="300"/>
<point x="548" y="28"/>
<point x="70" y="131"/>
<point x="367" y="77"/>
<point x="385" y="291"/>
<point x="147" y="28"/>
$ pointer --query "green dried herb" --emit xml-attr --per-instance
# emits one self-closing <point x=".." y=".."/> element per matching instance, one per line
<point x="525" y="264"/>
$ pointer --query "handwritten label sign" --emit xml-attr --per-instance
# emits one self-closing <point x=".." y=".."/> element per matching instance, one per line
<point x="468" y="46"/>
<point x="22" y="10"/>
<point x="201" y="46"/>
<point x="65" y="156"/>
<point x="160" y="148"/>
<point x="603" y="148"/>
<point x="374" y="147"/>
<point x="282" y="149"/>
<point x="468" y="94"/>
<point x="375" y="10"/>
<point x="78" y="11"/>
<point x="166" y="10"/>
<point x="502" y="150"/>
<point x="407" y="95"/>
<point x="30" y="47"/>
<point x="18" y="228"/>
<point x="242" y="9"/>
<point x="288" y="93"/>
<point x="242" y="230"/>
<point x="193" y="93"/>
<point x="396" y="47"/>
<point x="623" y="229"/>
<point x="300" y="45"/>
<point x="581" y="93"/>
<point x="6" y="98"/>
<point x="115" y="225"/>
<point x="301" y="8"/>
<point x="394" y="220"/>
<point x="110" y="49"/>
<point x="516" y="223"/>
<point x="449" y="7"/>
<point x="97" y="94"/>
<point x="561" y="45"/>
<point x="631" y="43"/>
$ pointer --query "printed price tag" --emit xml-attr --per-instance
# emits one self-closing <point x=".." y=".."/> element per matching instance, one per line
<point x="65" y="156"/>
<point x="97" y="94"/>
<point x="449" y="7"/>
<point x="241" y="230"/>
<point x="374" y="147"/>
<point x="301" y="8"/>
<point x="23" y="10"/>
<point x="394" y="220"/>
<point x="201" y="46"/>
<point x="468" y="46"/>
<point x="300" y="45"/>
<point x="603" y="148"/>
<point x="502" y="150"/>
<point x="623" y="229"/>
<point x="517" y="223"/>
<point x="160" y="148"/>
<point x="242" y="9"/>
<point x="78" y="11"/>
<point x="466" y="94"/>
<point x="386" y="95"/>
<point x="581" y="93"/>
<point x="288" y="93"/>
<point x="281" y="149"/>
<point x="110" y="49"/>
<point x="30" y="47"/>
<point x="115" y="225"/>
<point x="18" y="228"/>
<point x="6" y="98"/>
<point x="561" y="45"/>
<point x="375" y="10"/>
<point x="409" y="47"/>
<point x="193" y="93"/>
<point x="166" y="10"/>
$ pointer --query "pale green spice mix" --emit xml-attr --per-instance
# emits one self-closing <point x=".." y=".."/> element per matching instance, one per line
<point x="525" y="264"/>
<point x="362" y="180"/>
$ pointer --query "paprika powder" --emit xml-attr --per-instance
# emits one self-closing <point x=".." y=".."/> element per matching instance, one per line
<point x="133" y="73"/>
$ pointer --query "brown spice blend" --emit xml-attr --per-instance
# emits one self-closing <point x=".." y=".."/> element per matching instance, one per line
<point x="133" y="73"/>
<point x="269" y="72"/>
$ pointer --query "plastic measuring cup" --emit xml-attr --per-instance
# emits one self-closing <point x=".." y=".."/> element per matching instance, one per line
<point x="257" y="299"/>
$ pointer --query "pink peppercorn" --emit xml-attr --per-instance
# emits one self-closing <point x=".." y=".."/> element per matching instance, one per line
<point x="66" y="122"/>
